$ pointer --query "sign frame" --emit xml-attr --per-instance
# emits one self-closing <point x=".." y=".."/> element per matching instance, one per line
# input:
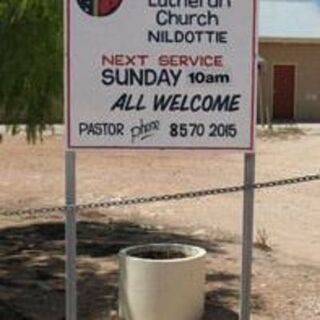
<point x="253" y="97"/>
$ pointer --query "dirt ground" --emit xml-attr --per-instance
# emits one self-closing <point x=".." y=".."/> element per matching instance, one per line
<point x="286" y="279"/>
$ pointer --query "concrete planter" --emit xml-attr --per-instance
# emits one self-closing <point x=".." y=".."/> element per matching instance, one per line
<point x="162" y="281"/>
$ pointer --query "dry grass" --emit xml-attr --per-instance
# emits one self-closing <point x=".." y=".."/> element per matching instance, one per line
<point x="262" y="240"/>
<point x="281" y="133"/>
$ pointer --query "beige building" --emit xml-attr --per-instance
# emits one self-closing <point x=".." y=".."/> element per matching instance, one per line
<point x="289" y="49"/>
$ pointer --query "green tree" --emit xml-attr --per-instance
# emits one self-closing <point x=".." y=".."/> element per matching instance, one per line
<point x="31" y="63"/>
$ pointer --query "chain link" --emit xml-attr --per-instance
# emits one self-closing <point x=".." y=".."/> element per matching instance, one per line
<point x="160" y="198"/>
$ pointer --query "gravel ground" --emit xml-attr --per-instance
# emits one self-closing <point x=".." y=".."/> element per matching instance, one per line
<point x="286" y="281"/>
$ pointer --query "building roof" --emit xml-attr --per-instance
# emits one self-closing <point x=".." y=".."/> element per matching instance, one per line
<point x="289" y="20"/>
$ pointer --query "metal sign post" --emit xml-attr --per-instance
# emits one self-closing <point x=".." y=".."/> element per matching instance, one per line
<point x="247" y="236"/>
<point x="71" y="236"/>
<point x="155" y="85"/>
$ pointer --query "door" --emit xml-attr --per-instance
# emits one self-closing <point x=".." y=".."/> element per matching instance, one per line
<point x="283" y="92"/>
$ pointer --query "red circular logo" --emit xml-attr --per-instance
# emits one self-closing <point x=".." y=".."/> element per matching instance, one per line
<point x="99" y="8"/>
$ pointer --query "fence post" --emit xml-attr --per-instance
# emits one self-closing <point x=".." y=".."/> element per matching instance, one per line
<point x="247" y="236"/>
<point x="71" y="236"/>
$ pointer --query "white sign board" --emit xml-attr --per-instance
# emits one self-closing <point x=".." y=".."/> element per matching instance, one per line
<point x="177" y="74"/>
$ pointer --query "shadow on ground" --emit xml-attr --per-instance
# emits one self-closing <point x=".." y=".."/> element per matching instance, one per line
<point x="32" y="269"/>
<point x="221" y="300"/>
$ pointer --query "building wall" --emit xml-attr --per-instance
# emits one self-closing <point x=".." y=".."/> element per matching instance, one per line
<point x="306" y="58"/>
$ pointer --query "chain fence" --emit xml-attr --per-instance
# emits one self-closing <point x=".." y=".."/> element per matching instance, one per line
<point x="159" y="198"/>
